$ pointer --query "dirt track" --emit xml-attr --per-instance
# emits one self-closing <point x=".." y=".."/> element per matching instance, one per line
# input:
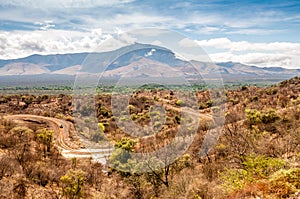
<point x="61" y="135"/>
<point x="68" y="146"/>
<point x="67" y="141"/>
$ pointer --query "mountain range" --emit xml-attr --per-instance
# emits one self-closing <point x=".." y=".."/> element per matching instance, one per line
<point x="140" y="60"/>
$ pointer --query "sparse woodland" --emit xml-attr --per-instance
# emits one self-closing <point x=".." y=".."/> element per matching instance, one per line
<point x="257" y="155"/>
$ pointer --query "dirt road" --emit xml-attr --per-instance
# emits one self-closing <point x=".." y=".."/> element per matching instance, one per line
<point x="68" y="142"/>
<point x="69" y="146"/>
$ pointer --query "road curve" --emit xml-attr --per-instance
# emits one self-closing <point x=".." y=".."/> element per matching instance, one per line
<point x="62" y="141"/>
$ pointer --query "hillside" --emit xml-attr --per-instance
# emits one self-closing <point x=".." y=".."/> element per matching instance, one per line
<point x="257" y="155"/>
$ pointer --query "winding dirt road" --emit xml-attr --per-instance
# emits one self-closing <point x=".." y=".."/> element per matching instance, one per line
<point x="68" y="142"/>
<point x="64" y="137"/>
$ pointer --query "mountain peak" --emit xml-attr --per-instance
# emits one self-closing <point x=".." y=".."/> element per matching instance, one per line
<point x="70" y="64"/>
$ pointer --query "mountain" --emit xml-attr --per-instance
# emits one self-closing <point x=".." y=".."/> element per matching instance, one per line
<point x="22" y="68"/>
<point x="137" y="60"/>
<point x="51" y="62"/>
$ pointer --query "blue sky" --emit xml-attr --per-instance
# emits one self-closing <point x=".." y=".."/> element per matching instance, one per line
<point x="263" y="33"/>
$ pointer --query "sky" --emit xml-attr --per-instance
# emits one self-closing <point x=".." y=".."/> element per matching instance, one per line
<point x="262" y="33"/>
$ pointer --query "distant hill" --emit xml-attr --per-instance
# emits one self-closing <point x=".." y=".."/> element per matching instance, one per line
<point x="141" y="61"/>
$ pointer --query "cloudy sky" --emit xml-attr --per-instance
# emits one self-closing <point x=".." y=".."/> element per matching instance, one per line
<point x="262" y="33"/>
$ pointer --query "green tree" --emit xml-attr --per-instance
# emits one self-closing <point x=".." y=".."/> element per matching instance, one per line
<point x="120" y="158"/>
<point x="45" y="137"/>
<point x="253" y="116"/>
<point x="72" y="184"/>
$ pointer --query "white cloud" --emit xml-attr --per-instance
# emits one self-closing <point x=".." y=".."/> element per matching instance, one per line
<point x="209" y="30"/>
<point x="187" y="43"/>
<point x="225" y="43"/>
<point x="151" y="32"/>
<point x="257" y="59"/>
<point x="23" y="43"/>
<point x="221" y="43"/>
<point x="136" y="20"/>
<point x="284" y="54"/>
<point x="253" y="31"/>
<point x="120" y="39"/>
<point x="156" y="42"/>
<point x="63" y="4"/>
<point x="18" y="44"/>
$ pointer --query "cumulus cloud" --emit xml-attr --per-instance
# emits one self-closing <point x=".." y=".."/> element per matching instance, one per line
<point x="187" y="43"/>
<point x="23" y="43"/>
<point x="283" y="54"/>
<point x="18" y="44"/>
<point x="257" y="59"/>
<point x="225" y="43"/>
<point x="113" y="43"/>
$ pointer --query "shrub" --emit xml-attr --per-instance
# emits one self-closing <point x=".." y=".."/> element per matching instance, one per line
<point x="131" y="107"/>
<point x="261" y="166"/>
<point x="243" y="88"/>
<point x="271" y="91"/>
<point x="101" y="125"/>
<point x="253" y="116"/>
<point x="27" y="99"/>
<point x="209" y="103"/>
<point x="179" y="102"/>
<point x="104" y="112"/>
<point x="120" y="158"/>
<point x="70" y="119"/>
<point x="284" y="183"/>
<point x="234" y="179"/>
<point x="202" y="106"/>
<point x="254" y="98"/>
<point x="59" y="116"/>
<point x="72" y="184"/>
<point x="177" y="119"/>
<point x="269" y="117"/>
<point x="45" y="137"/>
<point x="254" y="167"/>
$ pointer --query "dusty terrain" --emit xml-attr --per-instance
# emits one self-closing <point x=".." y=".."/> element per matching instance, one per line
<point x="257" y="154"/>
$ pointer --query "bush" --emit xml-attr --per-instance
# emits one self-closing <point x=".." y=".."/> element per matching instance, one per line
<point x="284" y="183"/>
<point x="254" y="167"/>
<point x="202" y="106"/>
<point x="120" y="158"/>
<point x="261" y="166"/>
<point x="253" y="116"/>
<point x="177" y="119"/>
<point x="271" y="91"/>
<point x="101" y="125"/>
<point x="234" y="179"/>
<point x="243" y="88"/>
<point x="269" y="117"/>
<point x="179" y="102"/>
<point x="209" y="103"/>
<point x="70" y="119"/>
<point x="72" y="184"/>
<point x="104" y="111"/>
